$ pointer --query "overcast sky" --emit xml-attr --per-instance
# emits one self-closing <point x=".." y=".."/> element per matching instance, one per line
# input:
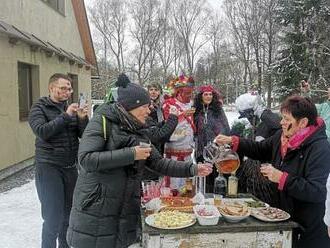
<point x="214" y="3"/>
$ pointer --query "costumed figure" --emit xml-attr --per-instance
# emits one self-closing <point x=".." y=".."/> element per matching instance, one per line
<point x="181" y="143"/>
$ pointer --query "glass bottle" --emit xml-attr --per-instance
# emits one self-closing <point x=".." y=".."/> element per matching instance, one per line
<point x="220" y="185"/>
<point x="232" y="185"/>
<point x="190" y="187"/>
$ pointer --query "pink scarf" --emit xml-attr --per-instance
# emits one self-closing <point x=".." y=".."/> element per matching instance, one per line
<point x="299" y="137"/>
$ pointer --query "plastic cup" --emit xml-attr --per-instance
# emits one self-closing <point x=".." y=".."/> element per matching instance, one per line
<point x="217" y="199"/>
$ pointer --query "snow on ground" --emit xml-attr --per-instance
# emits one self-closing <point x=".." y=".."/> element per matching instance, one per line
<point x="20" y="221"/>
<point x="232" y="116"/>
<point x="20" y="218"/>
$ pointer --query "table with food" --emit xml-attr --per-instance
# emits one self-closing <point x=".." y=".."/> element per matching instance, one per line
<point x="189" y="217"/>
<point x="236" y="222"/>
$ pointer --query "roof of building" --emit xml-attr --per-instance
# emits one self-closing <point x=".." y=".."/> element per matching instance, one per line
<point x="84" y="30"/>
<point x="15" y="34"/>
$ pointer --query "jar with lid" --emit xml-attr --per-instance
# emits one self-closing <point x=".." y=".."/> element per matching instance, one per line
<point x="190" y="187"/>
<point x="232" y="185"/>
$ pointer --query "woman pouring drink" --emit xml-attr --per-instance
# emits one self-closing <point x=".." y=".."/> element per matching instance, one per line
<point x="299" y="155"/>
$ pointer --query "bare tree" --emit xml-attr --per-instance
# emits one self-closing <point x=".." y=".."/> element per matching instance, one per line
<point x="241" y="38"/>
<point x="110" y="19"/>
<point x="254" y="23"/>
<point x="168" y="39"/>
<point x="145" y="33"/>
<point x="190" y="18"/>
<point x="219" y="53"/>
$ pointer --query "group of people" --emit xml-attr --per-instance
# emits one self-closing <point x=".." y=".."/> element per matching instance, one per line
<point x="89" y="172"/>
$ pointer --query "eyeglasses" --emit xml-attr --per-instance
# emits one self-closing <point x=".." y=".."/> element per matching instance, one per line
<point x="63" y="88"/>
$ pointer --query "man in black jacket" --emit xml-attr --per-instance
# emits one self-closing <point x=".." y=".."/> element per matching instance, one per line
<point x="57" y="127"/>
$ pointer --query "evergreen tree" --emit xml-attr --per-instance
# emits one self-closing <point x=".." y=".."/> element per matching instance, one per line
<point x="305" y="50"/>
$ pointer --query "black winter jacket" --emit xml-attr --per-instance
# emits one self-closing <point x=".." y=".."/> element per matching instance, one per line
<point x="106" y="204"/>
<point x="304" y="192"/>
<point x="56" y="132"/>
<point x="270" y="123"/>
<point x="160" y="132"/>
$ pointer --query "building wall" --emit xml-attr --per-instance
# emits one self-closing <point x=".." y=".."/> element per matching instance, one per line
<point x="16" y="137"/>
<point x="36" y="17"/>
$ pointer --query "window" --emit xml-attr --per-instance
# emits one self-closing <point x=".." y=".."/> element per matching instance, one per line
<point x="58" y="5"/>
<point x="74" y="85"/>
<point x="28" y="88"/>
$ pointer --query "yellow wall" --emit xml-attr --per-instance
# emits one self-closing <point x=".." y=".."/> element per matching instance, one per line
<point x="36" y="17"/>
<point x="17" y="139"/>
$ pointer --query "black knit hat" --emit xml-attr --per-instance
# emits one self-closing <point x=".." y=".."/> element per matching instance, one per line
<point x="131" y="95"/>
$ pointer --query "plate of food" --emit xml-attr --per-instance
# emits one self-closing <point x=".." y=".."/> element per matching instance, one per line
<point x="185" y="209"/>
<point x="270" y="214"/>
<point x="181" y="204"/>
<point x="177" y="201"/>
<point x="170" y="220"/>
<point x="234" y="211"/>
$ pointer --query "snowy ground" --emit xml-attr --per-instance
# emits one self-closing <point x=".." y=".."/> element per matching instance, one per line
<point x="20" y="220"/>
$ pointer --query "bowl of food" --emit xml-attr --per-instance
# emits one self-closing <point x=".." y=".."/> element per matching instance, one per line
<point x="234" y="212"/>
<point x="207" y="215"/>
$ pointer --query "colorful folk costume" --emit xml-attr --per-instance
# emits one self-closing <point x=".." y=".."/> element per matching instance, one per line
<point x="181" y="143"/>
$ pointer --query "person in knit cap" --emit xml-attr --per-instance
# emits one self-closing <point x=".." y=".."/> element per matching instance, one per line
<point x="210" y="120"/>
<point x="112" y="156"/>
<point x="181" y="143"/>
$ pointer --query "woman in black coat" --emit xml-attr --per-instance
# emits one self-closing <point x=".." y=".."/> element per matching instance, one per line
<point x="210" y="120"/>
<point x="106" y="204"/>
<point x="300" y="155"/>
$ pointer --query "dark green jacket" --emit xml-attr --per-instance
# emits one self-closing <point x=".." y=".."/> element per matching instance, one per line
<point x="106" y="205"/>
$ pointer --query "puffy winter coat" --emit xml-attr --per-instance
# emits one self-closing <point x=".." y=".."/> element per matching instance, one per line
<point x="304" y="192"/>
<point x="106" y="204"/>
<point x="158" y="133"/>
<point x="56" y="132"/>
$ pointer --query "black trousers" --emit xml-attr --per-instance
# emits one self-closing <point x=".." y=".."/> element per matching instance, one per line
<point x="55" y="187"/>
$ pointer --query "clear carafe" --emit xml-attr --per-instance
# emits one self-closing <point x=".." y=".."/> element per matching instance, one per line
<point x="228" y="161"/>
<point x="223" y="157"/>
